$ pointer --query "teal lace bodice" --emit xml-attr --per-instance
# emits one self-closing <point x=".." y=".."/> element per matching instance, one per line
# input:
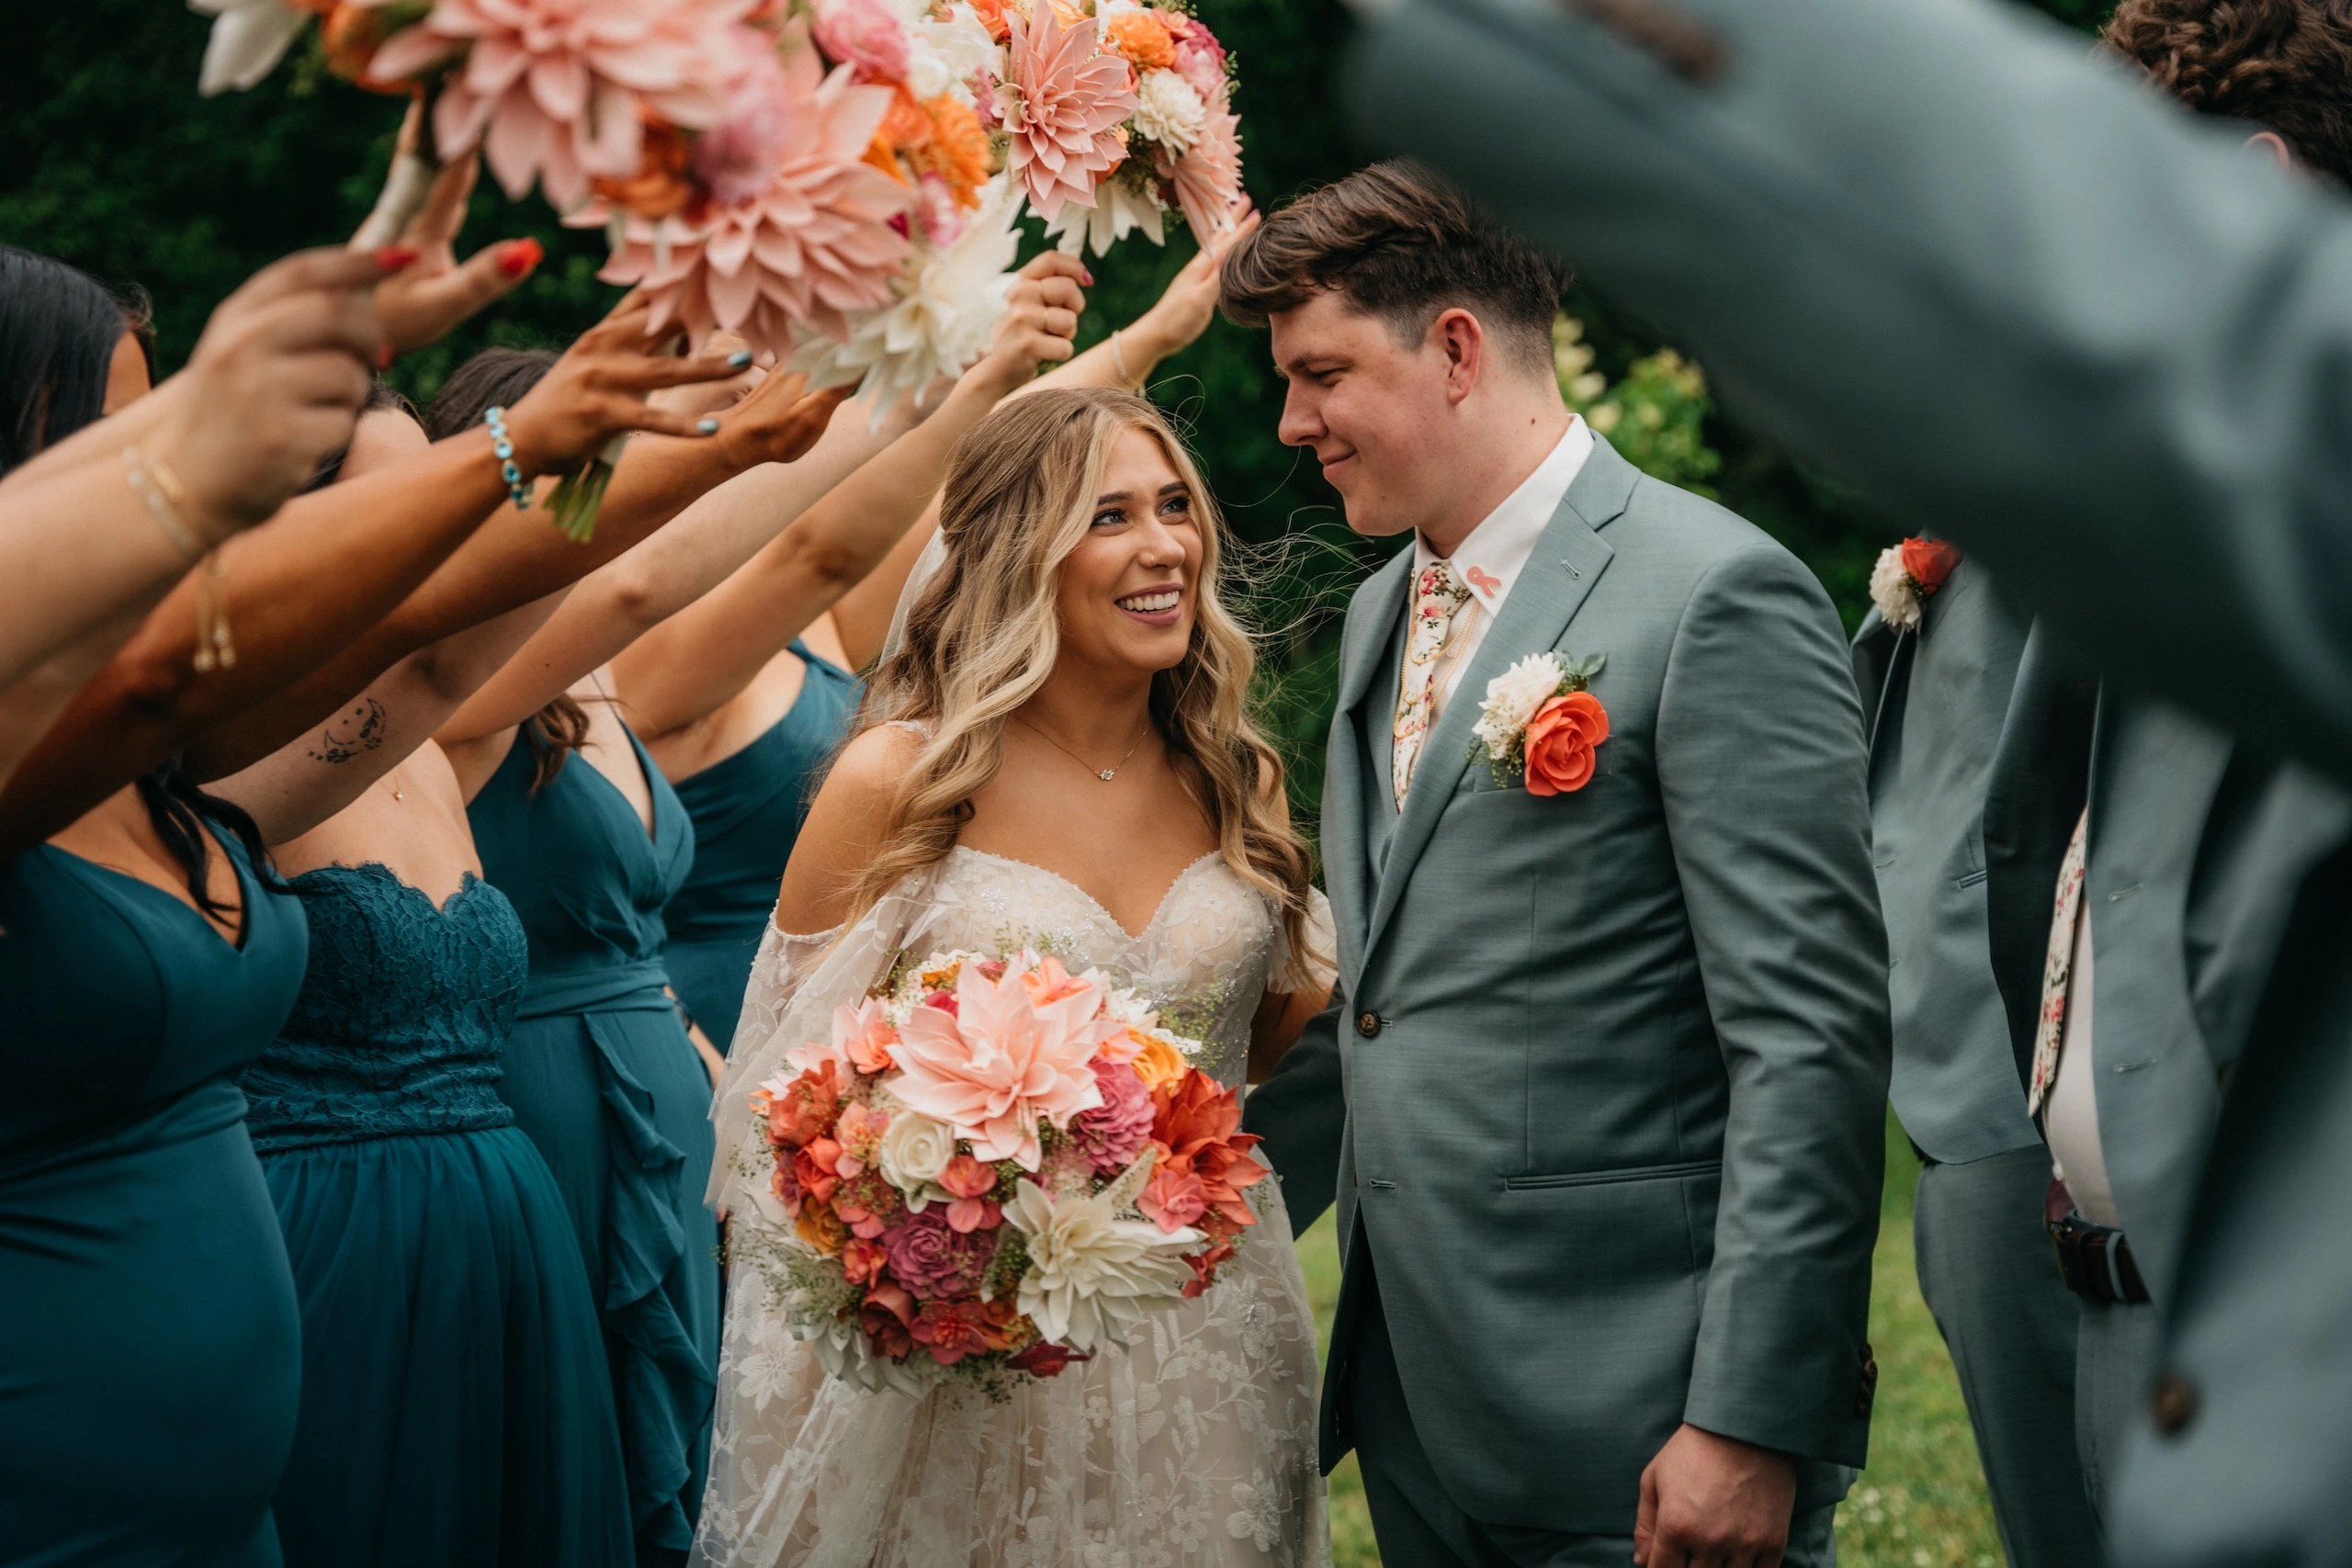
<point x="402" y="1017"/>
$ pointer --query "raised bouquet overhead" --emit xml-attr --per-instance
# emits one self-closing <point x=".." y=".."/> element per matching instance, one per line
<point x="837" y="181"/>
<point x="993" y="1168"/>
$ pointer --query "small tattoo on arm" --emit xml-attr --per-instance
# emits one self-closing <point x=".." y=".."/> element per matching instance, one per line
<point x="357" y="729"/>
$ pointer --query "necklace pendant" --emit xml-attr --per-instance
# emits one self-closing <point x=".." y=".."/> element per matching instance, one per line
<point x="1107" y="774"/>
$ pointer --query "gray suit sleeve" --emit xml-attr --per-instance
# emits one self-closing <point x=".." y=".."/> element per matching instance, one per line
<point x="1761" y="767"/>
<point x="1301" y="1114"/>
<point x="2001" y="286"/>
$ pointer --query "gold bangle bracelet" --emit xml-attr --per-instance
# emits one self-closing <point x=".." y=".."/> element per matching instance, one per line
<point x="147" y="482"/>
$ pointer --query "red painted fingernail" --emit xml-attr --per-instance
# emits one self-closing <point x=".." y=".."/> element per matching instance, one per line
<point x="517" y="257"/>
<point x="384" y="357"/>
<point x="1088" y="275"/>
<point x="392" y="258"/>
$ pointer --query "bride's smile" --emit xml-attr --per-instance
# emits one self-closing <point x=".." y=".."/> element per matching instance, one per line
<point x="1125" y="605"/>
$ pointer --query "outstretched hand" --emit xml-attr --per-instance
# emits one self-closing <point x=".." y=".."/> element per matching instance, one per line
<point x="1040" y="322"/>
<point x="1185" y="307"/>
<point x="599" y="387"/>
<point x="274" y="386"/>
<point x="1714" y="1502"/>
<point x="433" y="293"/>
<point x="780" y="419"/>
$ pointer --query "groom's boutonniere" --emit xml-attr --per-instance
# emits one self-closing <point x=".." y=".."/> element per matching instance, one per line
<point x="1540" y="723"/>
<point x="1906" y="577"/>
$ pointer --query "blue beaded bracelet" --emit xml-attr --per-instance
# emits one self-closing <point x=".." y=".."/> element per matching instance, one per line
<point x="503" y="447"/>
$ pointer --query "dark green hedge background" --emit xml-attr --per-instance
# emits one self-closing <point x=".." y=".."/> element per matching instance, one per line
<point x="108" y="159"/>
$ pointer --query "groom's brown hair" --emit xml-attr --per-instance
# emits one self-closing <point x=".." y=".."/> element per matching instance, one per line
<point x="1400" y="243"/>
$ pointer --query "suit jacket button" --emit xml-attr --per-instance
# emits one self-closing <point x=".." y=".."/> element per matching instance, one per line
<point x="2174" y="1405"/>
<point x="1368" y="1025"/>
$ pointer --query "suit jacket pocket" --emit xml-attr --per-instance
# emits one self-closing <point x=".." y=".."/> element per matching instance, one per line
<point x="1609" y="1178"/>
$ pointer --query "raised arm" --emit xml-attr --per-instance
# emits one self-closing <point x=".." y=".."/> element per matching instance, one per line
<point x="272" y="388"/>
<point x="308" y="584"/>
<point x="699" y="660"/>
<point x="2006" y="290"/>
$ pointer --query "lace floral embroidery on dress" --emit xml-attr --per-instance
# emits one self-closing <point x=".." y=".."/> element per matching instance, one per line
<point x="1195" y="1448"/>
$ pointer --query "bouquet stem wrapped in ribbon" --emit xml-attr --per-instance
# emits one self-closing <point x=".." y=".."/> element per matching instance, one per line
<point x="993" y="1168"/>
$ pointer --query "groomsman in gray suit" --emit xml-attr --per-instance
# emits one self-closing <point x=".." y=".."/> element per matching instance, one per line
<point x="1604" y="1082"/>
<point x="2007" y="290"/>
<point x="1938" y="687"/>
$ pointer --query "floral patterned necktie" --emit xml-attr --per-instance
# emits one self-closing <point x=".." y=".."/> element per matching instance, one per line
<point x="1439" y="595"/>
<point x="2057" y="968"/>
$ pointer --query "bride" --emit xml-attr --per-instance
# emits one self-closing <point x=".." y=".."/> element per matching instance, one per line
<point x="1058" y="755"/>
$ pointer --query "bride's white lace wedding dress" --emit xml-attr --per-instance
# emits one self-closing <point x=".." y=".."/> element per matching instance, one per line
<point x="1196" y="1447"/>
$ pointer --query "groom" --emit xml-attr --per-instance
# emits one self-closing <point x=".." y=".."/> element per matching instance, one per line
<point x="1603" y="1076"/>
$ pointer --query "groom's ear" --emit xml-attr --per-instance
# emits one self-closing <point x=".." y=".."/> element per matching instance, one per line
<point x="1457" y="336"/>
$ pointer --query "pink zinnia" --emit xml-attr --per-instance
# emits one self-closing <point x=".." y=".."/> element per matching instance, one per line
<point x="1001" y="1063"/>
<point x="1114" y="1131"/>
<point x="933" y="1258"/>
<point x="552" y="90"/>
<point x="1062" y="105"/>
<point x="817" y="243"/>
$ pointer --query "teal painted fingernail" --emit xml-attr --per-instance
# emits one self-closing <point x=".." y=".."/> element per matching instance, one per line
<point x="707" y="425"/>
<point x="739" y="358"/>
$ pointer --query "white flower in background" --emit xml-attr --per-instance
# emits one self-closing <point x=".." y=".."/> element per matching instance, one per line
<point x="915" y="1153"/>
<point x="945" y="51"/>
<point x="1122" y="206"/>
<point x="1091" y="1274"/>
<point x="1512" y="698"/>
<point x="1169" y="111"/>
<point x="1895" y="592"/>
<point x="249" y="37"/>
<point x="941" y="321"/>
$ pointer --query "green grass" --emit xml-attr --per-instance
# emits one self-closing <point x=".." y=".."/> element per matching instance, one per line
<point x="1921" y="1503"/>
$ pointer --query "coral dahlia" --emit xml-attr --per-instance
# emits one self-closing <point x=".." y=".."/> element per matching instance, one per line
<point x="1062" y="105"/>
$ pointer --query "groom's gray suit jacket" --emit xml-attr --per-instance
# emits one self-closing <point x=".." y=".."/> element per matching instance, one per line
<point x="1603" y="1079"/>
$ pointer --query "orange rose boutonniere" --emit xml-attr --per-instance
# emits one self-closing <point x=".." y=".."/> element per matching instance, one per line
<point x="1906" y="577"/>
<point x="1541" y="724"/>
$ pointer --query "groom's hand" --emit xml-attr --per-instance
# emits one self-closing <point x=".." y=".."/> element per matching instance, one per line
<point x="1710" y="1502"/>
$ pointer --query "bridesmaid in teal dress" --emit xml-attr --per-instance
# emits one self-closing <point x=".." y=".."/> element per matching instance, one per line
<point x="747" y="809"/>
<point x="455" y="1402"/>
<point x="602" y="1076"/>
<point x="150" y="1351"/>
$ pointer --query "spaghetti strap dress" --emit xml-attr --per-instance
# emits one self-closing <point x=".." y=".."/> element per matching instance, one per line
<point x="456" y="1409"/>
<point x="150" y="1354"/>
<point x="747" y="811"/>
<point x="602" y="1077"/>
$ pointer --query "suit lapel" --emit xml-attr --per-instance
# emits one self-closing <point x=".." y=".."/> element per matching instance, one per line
<point x="1567" y="560"/>
<point x="1370" y="619"/>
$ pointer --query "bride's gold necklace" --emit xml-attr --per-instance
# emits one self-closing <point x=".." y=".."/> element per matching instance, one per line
<point x="1105" y="774"/>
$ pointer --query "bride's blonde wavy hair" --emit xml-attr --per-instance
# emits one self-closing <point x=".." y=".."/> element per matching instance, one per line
<point x="983" y="634"/>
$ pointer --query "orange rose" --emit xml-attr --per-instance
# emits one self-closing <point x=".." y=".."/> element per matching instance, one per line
<point x="1560" y="741"/>
<point x="820" y="1228"/>
<point x="1928" y="561"/>
<point x="1139" y="36"/>
<point x="1159" y="1064"/>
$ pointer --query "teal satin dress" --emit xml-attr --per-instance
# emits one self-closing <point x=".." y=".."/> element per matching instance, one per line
<point x="456" y="1407"/>
<point x="150" y="1354"/>
<point x="747" y="812"/>
<point x="603" y="1078"/>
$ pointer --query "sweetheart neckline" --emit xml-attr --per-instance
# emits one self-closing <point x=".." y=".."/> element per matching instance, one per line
<point x="1132" y="937"/>
<point x="466" y="883"/>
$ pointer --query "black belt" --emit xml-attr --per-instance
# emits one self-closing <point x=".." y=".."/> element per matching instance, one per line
<point x="2095" y="1263"/>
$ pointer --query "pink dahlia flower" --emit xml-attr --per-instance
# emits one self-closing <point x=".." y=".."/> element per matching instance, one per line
<point x="933" y="1258"/>
<point x="552" y="90"/>
<point x="738" y="156"/>
<point x="1114" y="1131"/>
<point x="1001" y="1063"/>
<point x="1062" y="103"/>
<point x="867" y="34"/>
<point x="1207" y="175"/>
<point x="819" y="240"/>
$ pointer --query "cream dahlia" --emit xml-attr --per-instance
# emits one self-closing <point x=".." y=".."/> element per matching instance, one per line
<point x="816" y="244"/>
<point x="1062" y="105"/>
<point x="1092" y="1274"/>
<point x="1169" y="111"/>
<point x="552" y="90"/>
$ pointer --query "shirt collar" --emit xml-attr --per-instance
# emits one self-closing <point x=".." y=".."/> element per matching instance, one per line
<point x="1491" y="558"/>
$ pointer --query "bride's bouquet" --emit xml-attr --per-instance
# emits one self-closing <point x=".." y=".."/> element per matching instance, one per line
<point x="993" y="1168"/>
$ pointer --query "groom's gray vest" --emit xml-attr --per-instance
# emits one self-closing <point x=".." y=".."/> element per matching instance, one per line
<point x="1604" y="1075"/>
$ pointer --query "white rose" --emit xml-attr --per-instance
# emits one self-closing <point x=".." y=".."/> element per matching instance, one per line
<point x="1169" y="111"/>
<point x="1890" y="591"/>
<point x="1512" y="698"/>
<point x="915" y="1150"/>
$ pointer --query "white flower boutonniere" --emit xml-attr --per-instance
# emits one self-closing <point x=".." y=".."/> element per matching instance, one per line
<point x="1540" y="723"/>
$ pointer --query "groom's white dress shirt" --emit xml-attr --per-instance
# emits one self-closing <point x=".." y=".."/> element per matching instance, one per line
<point x="1492" y="556"/>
